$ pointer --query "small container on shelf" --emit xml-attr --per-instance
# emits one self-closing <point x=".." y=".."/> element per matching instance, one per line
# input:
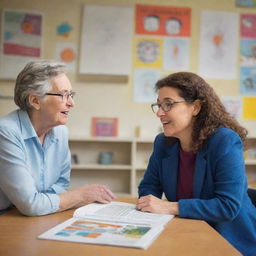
<point x="250" y="154"/>
<point x="105" y="158"/>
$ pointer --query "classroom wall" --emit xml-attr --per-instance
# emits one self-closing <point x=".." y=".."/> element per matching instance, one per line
<point x="107" y="97"/>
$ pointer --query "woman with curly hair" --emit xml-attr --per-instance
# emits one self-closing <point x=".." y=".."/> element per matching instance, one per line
<point x="198" y="163"/>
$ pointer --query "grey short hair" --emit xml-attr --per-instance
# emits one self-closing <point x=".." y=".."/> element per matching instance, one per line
<point x="35" y="78"/>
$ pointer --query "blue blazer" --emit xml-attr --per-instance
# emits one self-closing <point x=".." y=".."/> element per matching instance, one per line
<point x="219" y="190"/>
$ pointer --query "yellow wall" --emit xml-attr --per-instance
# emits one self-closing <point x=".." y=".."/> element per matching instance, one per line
<point x="108" y="98"/>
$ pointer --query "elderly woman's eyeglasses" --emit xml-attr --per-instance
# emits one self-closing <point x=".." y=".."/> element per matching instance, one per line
<point x="165" y="106"/>
<point x="65" y="96"/>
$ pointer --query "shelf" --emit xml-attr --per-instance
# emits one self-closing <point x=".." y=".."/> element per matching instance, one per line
<point x="250" y="162"/>
<point x="129" y="162"/>
<point x="88" y="151"/>
<point x="99" y="139"/>
<point x="101" y="167"/>
<point x="112" y="139"/>
<point x="141" y="167"/>
<point x="144" y="140"/>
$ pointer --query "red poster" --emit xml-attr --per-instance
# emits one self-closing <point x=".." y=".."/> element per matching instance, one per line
<point x="248" y="25"/>
<point x="163" y="20"/>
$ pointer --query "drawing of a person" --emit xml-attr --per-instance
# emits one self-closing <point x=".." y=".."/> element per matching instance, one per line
<point x="148" y="51"/>
<point x="248" y="55"/>
<point x="151" y="23"/>
<point x="173" y="26"/>
<point x="218" y="38"/>
<point x="248" y="83"/>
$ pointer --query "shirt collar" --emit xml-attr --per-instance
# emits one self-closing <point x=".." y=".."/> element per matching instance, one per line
<point x="27" y="129"/>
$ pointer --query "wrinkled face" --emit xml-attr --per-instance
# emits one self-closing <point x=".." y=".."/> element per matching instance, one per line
<point x="178" y="121"/>
<point x="54" y="109"/>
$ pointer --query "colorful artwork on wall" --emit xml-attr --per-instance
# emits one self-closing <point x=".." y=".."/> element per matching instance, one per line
<point x="21" y="41"/>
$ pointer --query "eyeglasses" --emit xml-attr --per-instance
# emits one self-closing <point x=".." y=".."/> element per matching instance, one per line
<point x="165" y="106"/>
<point x="65" y="96"/>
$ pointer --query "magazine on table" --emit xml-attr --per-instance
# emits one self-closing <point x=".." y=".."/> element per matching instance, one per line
<point x="115" y="223"/>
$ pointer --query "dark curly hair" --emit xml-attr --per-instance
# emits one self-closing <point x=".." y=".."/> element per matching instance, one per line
<point x="212" y="114"/>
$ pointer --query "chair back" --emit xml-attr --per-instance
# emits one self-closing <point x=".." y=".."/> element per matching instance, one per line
<point x="252" y="194"/>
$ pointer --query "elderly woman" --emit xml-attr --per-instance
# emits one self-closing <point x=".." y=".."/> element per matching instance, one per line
<point x="34" y="153"/>
<point x="198" y="162"/>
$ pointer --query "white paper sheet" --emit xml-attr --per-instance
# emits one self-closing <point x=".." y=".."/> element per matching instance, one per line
<point x="218" y="45"/>
<point x="106" y="40"/>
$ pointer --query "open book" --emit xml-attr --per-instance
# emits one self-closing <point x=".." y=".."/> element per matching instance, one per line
<point x="116" y="223"/>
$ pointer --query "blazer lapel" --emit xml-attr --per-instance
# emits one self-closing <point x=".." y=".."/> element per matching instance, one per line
<point x="199" y="176"/>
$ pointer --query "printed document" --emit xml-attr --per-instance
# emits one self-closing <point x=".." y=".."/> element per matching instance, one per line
<point x="116" y="224"/>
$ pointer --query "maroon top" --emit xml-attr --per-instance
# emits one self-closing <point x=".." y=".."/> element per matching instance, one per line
<point x="186" y="175"/>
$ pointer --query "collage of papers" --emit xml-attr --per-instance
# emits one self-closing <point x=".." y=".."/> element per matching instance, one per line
<point x="160" y="42"/>
<point x="162" y="38"/>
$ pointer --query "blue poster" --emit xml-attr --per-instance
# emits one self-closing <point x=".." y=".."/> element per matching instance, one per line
<point x="248" y="80"/>
<point x="246" y="3"/>
<point x="248" y="52"/>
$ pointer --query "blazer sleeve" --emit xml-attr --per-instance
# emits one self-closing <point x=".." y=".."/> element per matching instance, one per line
<point x="151" y="183"/>
<point x="226" y="162"/>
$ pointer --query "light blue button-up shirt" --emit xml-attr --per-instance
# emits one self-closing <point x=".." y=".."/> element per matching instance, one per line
<point x="32" y="174"/>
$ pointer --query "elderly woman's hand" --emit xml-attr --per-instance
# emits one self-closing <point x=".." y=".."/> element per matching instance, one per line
<point x="85" y="194"/>
<point x="96" y="193"/>
<point x="153" y="204"/>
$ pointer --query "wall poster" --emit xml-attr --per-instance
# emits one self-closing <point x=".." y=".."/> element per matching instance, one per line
<point x="161" y="44"/>
<point x="106" y="40"/>
<point x="21" y="41"/>
<point x="218" y="45"/>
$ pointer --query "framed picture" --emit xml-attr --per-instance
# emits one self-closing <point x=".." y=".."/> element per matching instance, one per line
<point x="104" y="126"/>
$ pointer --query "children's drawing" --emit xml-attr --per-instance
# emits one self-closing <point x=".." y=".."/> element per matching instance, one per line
<point x="246" y="3"/>
<point x="22" y="34"/>
<point x="248" y="52"/>
<point x="106" y="38"/>
<point x="248" y="25"/>
<point x="248" y="80"/>
<point x="176" y="54"/>
<point x="144" y="83"/>
<point x="64" y="29"/>
<point x="21" y="41"/>
<point x="151" y="23"/>
<point x="233" y="106"/>
<point x="163" y="20"/>
<point x="173" y="26"/>
<point x="67" y="53"/>
<point x="148" y="52"/>
<point x="218" y="45"/>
